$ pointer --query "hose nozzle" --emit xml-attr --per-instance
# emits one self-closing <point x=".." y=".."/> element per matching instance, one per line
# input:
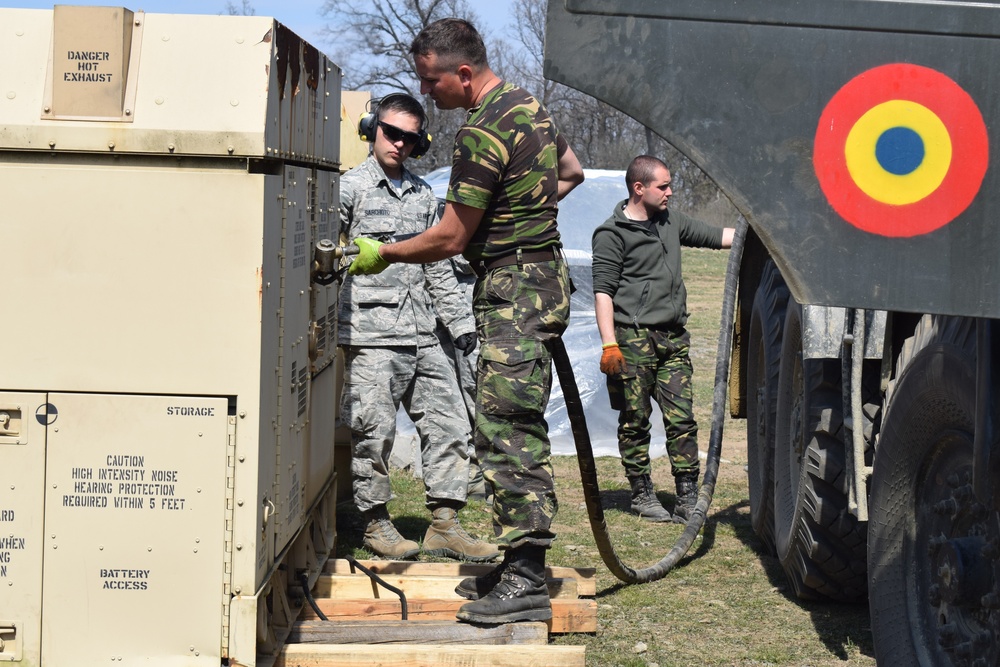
<point x="326" y="256"/>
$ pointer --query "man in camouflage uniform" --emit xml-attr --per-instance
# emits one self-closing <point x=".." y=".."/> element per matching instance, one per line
<point x="391" y="352"/>
<point x="641" y="309"/>
<point x="509" y="170"/>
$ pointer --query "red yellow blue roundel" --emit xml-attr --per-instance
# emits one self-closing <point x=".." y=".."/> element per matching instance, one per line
<point x="900" y="150"/>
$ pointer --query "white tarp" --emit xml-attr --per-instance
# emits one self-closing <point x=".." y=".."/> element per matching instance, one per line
<point x="580" y="213"/>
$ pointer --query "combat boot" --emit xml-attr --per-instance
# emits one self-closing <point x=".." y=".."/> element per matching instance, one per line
<point x="520" y="595"/>
<point x="687" y="495"/>
<point x="644" y="501"/>
<point x="446" y="537"/>
<point x="473" y="588"/>
<point x="382" y="538"/>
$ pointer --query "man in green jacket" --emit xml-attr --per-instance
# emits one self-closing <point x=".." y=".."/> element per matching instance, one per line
<point x="640" y="303"/>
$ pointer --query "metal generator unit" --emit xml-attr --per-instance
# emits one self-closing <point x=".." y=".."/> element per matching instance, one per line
<point x="167" y="391"/>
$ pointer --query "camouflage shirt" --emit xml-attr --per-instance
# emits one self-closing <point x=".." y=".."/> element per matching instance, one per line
<point x="399" y="305"/>
<point x="506" y="163"/>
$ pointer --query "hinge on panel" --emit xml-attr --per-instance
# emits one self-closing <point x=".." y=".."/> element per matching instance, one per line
<point x="227" y="586"/>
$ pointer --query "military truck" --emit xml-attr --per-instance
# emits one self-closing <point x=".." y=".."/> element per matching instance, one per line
<point x="855" y="137"/>
<point x="167" y="483"/>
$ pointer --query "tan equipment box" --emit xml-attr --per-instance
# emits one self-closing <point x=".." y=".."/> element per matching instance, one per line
<point x="353" y="150"/>
<point x="167" y="386"/>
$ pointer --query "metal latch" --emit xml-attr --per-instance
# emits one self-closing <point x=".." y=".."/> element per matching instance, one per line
<point x="10" y="421"/>
<point x="10" y="641"/>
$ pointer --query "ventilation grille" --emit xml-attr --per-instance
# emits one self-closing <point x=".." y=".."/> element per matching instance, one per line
<point x="303" y="390"/>
<point x="321" y="335"/>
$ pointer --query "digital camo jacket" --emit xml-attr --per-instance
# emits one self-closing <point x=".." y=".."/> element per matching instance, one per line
<point x="400" y="305"/>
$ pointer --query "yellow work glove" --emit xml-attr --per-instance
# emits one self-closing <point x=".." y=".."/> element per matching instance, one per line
<point x="368" y="261"/>
<point x="612" y="361"/>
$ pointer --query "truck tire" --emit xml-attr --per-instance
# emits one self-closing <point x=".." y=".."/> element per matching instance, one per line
<point x="767" y="319"/>
<point x="821" y="545"/>
<point x="933" y="546"/>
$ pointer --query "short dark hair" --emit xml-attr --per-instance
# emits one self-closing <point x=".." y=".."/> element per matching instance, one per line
<point x="642" y="169"/>
<point x="402" y="103"/>
<point x="454" y="41"/>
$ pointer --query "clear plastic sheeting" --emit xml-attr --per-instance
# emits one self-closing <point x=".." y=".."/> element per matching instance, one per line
<point x="580" y="213"/>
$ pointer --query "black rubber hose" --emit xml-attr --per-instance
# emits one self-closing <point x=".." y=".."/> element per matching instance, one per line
<point x="585" y="453"/>
<point x="404" y="614"/>
<point x="304" y="582"/>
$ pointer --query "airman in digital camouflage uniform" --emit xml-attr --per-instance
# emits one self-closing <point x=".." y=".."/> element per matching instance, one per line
<point x="641" y="309"/>
<point x="510" y="168"/>
<point x="465" y="362"/>
<point x="391" y="353"/>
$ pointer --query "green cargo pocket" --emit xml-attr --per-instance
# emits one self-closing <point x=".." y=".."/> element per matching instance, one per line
<point x="514" y="377"/>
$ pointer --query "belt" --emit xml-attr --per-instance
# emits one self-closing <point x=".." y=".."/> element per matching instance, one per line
<point x="519" y="257"/>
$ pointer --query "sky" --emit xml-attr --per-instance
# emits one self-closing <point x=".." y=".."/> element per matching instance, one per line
<point x="302" y="16"/>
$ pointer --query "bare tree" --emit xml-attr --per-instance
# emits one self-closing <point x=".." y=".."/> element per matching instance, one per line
<point x="245" y="8"/>
<point x="518" y="58"/>
<point x="372" y="39"/>
<point x="601" y="136"/>
<point x="371" y="42"/>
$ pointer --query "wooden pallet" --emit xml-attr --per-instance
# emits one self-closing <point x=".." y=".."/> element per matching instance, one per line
<point x="365" y="626"/>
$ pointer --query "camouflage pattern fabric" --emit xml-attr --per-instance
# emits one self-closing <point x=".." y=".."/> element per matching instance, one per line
<point x="518" y="312"/>
<point x="465" y="365"/>
<point x="505" y="163"/>
<point x="464" y="368"/>
<point x="658" y="368"/>
<point x="388" y="325"/>
<point x="401" y="305"/>
<point x="377" y="380"/>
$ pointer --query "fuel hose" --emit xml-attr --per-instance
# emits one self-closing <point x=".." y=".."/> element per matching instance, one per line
<point x="585" y="452"/>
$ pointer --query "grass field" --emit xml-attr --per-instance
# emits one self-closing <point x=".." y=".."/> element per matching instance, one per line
<point x="727" y="603"/>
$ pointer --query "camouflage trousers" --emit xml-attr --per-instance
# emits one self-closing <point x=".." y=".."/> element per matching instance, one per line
<point x="658" y="367"/>
<point x="465" y="370"/>
<point x="377" y="380"/>
<point x="464" y="367"/>
<point x="518" y="312"/>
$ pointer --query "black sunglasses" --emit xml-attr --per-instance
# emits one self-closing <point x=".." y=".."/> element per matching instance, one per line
<point x="394" y="134"/>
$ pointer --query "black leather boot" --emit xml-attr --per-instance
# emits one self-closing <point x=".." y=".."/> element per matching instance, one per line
<point x="644" y="501"/>
<point x="473" y="588"/>
<point x="520" y="595"/>
<point x="687" y="495"/>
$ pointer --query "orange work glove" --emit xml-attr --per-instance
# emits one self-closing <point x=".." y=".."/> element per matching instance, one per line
<point x="612" y="361"/>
